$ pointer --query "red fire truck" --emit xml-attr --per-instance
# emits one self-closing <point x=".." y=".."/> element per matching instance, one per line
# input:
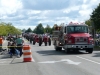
<point x="73" y="37"/>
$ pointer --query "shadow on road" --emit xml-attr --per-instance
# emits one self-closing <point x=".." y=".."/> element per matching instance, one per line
<point x="53" y="52"/>
<point x="17" y="62"/>
<point x="97" y="54"/>
<point x="5" y="57"/>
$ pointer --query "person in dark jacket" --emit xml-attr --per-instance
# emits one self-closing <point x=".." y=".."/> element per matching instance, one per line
<point x="9" y="44"/>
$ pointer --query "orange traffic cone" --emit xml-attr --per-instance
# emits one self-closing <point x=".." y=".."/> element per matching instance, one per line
<point x="27" y="54"/>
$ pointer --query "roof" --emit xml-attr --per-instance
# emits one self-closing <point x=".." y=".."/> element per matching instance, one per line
<point x="77" y="25"/>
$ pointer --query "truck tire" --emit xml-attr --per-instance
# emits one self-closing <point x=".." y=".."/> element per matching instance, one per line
<point x="58" y="48"/>
<point x="67" y="50"/>
<point x="33" y="41"/>
<point x="90" y="50"/>
<point x="40" y="41"/>
<point x="49" y="41"/>
<point x="75" y="50"/>
<point x="45" y="43"/>
<point x="39" y="44"/>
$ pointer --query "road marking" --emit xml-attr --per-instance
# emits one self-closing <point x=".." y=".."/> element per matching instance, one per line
<point x="8" y="61"/>
<point x="2" y="62"/>
<point x="63" y="60"/>
<point x="70" y="61"/>
<point x="5" y="61"/>
<point x="88" y="60"/>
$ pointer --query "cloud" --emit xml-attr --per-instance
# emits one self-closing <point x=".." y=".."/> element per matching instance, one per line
<point x="29" y="13"/>
<point x="25" y="27"/>
<point x="45" y="4"/>
<point x="10" y="6"/>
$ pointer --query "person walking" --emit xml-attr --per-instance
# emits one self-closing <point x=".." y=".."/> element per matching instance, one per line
<point x="19" y="42"/>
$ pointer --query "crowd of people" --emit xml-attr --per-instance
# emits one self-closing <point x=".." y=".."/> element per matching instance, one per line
<point x="14" y="46"/>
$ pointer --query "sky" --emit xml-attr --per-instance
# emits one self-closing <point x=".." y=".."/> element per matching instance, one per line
<point x="24" y="14"/>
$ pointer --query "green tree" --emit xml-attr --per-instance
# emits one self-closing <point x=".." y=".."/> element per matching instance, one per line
<point x="8" y="28"/>
<point x="95" y="17"/>
<point x="28" y="30"/>
<point x="47" y="29"/>
<point x="39" y="29"/>
<point x="88" y="22"/>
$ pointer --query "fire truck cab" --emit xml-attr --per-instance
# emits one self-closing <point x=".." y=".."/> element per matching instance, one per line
<point x="73" y="37"/>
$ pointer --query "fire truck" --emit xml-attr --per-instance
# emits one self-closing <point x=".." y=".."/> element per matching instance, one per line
<point x="73" y="37"/>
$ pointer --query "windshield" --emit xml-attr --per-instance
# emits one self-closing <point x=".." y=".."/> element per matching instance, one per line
<point x="77" y="29"/>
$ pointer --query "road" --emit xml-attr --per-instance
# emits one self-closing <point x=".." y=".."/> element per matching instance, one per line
<point x="47" y="61"/>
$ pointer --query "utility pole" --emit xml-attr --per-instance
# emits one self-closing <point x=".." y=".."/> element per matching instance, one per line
<point x="93" y="28"/>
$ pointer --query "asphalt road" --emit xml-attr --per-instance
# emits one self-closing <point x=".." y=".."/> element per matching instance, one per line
<point x="47" y="61"/>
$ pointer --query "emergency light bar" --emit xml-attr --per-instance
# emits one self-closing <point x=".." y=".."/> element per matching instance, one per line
<point x="71" y="23"/>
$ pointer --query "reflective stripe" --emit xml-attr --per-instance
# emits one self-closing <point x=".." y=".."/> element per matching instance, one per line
<point x="27" y="56"/>
<point x="26" y="50"/>
<point x="26" y="47"/>
<point x="28" y="59"/>
<point x="27" y="53"/>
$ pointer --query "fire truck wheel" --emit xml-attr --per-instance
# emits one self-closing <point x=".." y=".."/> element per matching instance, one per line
<point x="90" y="50"/>
<point x="67" y="50"/>
<point x="76" y="51"/>
<point x="58" y="48"/>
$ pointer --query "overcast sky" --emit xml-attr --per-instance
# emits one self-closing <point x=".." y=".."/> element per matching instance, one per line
<point x="29" y="13"/>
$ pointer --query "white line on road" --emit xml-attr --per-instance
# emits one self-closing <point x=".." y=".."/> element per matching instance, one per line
<point x="88" y="60"/>
<point x="63" y="60"/>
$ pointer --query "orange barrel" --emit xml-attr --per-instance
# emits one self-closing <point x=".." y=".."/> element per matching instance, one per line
<point x="27" y="54"/>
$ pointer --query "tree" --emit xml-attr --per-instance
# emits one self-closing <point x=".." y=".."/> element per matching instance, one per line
<point x="88" y="22"/>
<point x="95" y="17"/>
<point x="39" y="29"/>
<point x="28" y="30"/>
<point x="23" y="30"/>
<point x="47" y="29"/>
<point x="8" y="28"/>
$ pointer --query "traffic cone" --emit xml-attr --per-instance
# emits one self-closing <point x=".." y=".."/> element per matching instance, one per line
<point x="27" y="54"/>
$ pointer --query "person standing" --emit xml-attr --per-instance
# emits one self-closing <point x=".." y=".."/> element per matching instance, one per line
<point x="19" y="42"/>
<point x="1" y="42"/>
